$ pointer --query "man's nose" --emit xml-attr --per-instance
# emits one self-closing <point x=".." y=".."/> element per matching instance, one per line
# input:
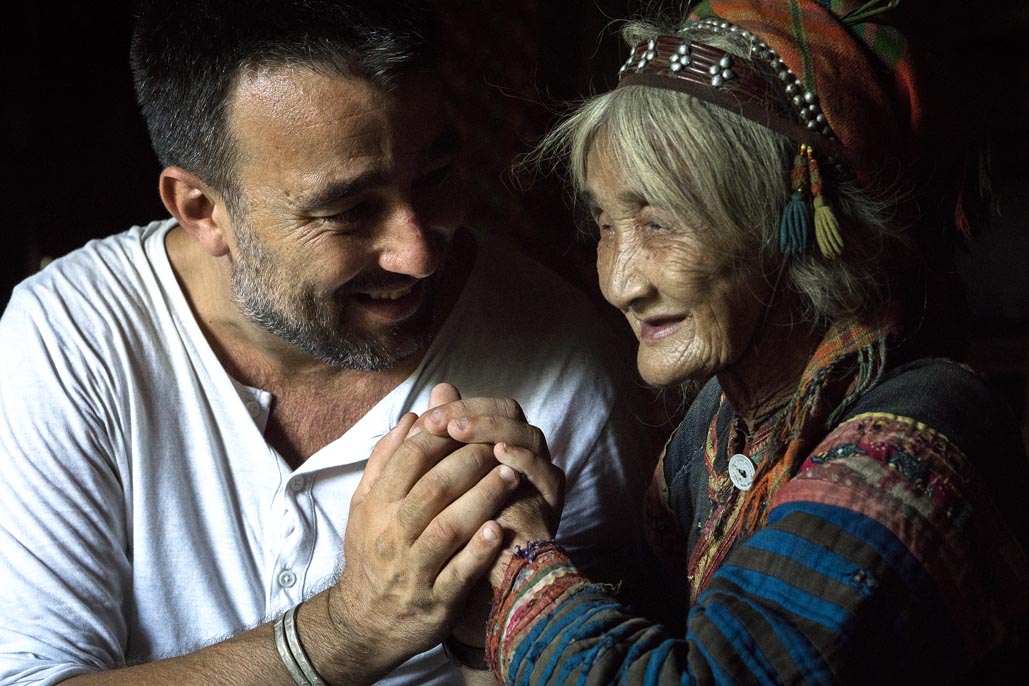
<point x="409" y="245"/>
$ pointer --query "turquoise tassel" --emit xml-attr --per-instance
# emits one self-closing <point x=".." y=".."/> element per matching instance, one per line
<point x="795" y="225"/>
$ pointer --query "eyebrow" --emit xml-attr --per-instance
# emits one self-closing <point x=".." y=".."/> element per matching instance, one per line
<point x="344" y="188"/>
<point x="627" y="197"/>
<point x="447" y="143"/>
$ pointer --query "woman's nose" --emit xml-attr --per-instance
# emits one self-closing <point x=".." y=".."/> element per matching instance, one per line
<point x="619" y="269"/>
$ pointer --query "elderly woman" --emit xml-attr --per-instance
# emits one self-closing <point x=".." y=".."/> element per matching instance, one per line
<point x="836" y="505"/>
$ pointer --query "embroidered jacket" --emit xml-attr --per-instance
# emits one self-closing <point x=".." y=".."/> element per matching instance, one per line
<point x="885" y="547"/>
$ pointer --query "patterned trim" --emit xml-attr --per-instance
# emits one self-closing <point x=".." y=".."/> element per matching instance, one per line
<point x="531" y="583"/>
<point x="861" y="540"/>
<point x="929" y="463"/>
<point x="915" y="482"/>
<point x="849" y="360"/>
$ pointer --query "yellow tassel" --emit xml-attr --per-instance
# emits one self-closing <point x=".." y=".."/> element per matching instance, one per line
<point x="827" y="230"/>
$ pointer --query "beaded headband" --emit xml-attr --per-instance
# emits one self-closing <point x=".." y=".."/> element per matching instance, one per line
<point x="761" y="88"/>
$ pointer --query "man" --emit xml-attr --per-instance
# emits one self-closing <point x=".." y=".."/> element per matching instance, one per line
<point x="188" y="407"/>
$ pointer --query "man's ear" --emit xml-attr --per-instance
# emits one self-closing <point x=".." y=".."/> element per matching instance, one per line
<point x="198" y="209"/>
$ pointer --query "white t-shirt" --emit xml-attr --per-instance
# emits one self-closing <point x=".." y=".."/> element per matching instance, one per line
<point x="142" y="513"/>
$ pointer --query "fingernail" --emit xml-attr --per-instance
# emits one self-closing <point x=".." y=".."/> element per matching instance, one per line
<point x="462" y="422"/>
<point x="490" y="534"/>
<point x="509" y="475"/>
<point x="436" y="416"/>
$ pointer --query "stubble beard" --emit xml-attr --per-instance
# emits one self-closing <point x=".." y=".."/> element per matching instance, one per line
<point x="292" y="310"/>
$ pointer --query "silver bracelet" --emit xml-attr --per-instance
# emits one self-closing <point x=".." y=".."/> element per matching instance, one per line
<point x="463" y="655"/>
<point x="287" y="642"/>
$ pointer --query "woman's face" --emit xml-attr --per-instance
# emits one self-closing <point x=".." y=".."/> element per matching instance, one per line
<point x="694" y="312"/>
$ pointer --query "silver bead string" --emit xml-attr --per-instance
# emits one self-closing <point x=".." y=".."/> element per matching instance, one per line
<point x="805" y="101"/>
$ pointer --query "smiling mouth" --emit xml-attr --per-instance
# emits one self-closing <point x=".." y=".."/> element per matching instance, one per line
<point x="390" y="295"/>
<point x="391" y="305"/>
<point x="659" y="327"/>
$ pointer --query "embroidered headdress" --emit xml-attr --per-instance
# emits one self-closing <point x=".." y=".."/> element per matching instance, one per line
<point x="818" y="71"/>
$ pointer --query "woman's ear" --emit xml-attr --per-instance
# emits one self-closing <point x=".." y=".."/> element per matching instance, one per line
<point x="198" y="209"/>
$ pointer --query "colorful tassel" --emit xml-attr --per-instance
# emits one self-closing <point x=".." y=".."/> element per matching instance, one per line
<point x="795" y="225"/>
<point x="827" y="229"/>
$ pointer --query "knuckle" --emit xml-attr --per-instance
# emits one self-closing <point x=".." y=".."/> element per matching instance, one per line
<point x="458" y="408"/>
<point x="442" y="534"/>
<point x="414" y="451"/>
<point x="481" y="456"/>
<point x="434" y="487"/>
<point x="470" y="461"/>
<point x="510" y="408"/>
<point x="487" y="422"/>
<point x="539" y="442"/>
<point x="385" y="547"/>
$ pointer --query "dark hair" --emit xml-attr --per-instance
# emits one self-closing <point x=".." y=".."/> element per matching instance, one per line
<point x="187" y="56"/>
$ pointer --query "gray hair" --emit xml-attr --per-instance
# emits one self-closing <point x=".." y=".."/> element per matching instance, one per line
<point x="730" y="176"/>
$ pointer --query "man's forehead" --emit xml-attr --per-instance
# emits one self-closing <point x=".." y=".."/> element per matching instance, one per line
<point x="295" y="95"/>
<point x="299" y="101"/>
<point x="309" y="134"/>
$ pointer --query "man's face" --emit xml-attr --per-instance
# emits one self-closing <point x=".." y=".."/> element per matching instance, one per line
<point x="348" y="203"/>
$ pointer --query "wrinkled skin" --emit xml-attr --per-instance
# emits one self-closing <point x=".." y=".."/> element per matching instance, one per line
<point x="342" y="230"/>
<point x="421" y="529"/>
<point x="693" y="311"/>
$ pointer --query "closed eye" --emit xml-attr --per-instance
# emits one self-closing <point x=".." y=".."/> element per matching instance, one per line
<point x="355" y="214"/>
<point x="436" y="175"/>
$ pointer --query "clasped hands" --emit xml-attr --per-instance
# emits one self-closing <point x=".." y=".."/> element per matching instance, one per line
<point x="443" y="501"/>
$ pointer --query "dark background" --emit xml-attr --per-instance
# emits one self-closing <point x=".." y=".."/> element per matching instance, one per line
<point x="77" y="163"/>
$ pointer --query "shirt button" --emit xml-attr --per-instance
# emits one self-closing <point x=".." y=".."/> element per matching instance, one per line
<point x="297" y="483"/>
<point x="287" y="578"/>
<point x="253" y="408"/>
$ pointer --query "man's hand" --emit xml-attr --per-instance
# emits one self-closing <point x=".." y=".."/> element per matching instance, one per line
<point x="422" y="532"/>
<point x="408" y="569"/>
<point x="533" y="513"/>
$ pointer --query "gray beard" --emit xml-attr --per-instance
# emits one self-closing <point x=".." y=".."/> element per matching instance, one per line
<point x="294" y="312"/>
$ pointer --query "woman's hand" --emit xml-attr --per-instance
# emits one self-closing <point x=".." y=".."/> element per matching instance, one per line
<point x="533" y="512"/>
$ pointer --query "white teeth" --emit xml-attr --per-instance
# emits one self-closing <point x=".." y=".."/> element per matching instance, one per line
<point x="390" y="295"/>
